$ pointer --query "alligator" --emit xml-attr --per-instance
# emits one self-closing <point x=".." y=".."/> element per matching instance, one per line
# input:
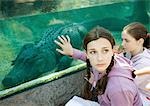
<point x="34" y="60"/>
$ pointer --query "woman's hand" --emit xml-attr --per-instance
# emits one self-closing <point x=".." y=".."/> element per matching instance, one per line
<point x="64" y="43"/>
<point x="143" y="71"/>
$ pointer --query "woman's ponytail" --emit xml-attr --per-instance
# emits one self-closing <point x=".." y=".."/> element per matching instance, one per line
<point x="147" y="41"/>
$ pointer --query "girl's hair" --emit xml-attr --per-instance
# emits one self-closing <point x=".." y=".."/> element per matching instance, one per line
<point x="138" y="30"/>
<point x="96" y="33"/>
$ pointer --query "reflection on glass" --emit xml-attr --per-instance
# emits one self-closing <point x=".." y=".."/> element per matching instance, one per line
<point x="10" y="8"/>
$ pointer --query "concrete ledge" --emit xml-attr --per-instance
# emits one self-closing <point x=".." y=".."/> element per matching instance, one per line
<point x="55" y="93"/>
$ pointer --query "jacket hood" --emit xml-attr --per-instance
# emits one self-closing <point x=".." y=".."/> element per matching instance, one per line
<point x="141" y="60"/>
<point x="122" y="67"/>
<point x="144" y="54"/>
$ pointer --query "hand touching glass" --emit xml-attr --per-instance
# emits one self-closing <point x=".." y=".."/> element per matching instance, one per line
<point x="64" y="43"/>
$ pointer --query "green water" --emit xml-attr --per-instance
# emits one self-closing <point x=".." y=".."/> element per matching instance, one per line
<point x="18" y="31"/>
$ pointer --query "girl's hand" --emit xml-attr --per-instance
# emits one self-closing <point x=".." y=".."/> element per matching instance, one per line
<point x="64" y="43"/>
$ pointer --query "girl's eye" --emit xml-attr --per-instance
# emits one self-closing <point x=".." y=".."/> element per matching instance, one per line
<point x="92" y="52"/>
<point x="126" y="40"/>
<point x="105" y="51"/>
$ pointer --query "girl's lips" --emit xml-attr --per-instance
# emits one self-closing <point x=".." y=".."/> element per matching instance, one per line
<point x="100" y="65"/>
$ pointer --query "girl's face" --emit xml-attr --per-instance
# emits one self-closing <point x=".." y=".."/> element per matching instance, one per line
<point x="129" y="43"/>
<point x="99" y="52"/>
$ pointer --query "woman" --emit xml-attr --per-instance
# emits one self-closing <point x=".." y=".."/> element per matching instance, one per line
<point x="111" y="75"/>
<point x="136" y="43"/>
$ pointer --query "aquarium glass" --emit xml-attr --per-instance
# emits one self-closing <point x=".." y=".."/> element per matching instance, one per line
<point x="28" y="29"/>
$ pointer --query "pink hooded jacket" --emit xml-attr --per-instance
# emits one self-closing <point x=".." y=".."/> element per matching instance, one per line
<point x="121" y="89"/>
<point x="140" y="61"/>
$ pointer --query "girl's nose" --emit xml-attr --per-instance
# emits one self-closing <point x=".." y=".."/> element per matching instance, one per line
<point x="122" y="43"/>
<point x="99" y="57"/>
